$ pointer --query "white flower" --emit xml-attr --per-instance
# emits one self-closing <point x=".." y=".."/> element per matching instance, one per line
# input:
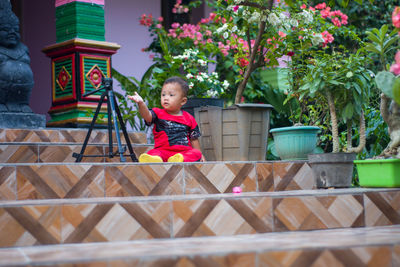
<point x="234" y="28"/>
<point x="317" y="39"/>
<point x="307" y="16"/>
<point x="191" y="85"/>
<point x="294" y="22"/>
<point x="273" y="19"/>
<point x="189" y="76"/>
<point x="199" y="78"/>
<point x="222" y="29"/>
<point x="226" y="35"/>
<point x="225" y="84"/>
<point x="202" y="62"/>
<point x="238" y="1"/>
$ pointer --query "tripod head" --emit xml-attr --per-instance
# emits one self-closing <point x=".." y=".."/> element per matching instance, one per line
<point x="106" y="84"/>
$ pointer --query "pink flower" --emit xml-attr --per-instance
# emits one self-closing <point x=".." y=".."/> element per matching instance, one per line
<point x="158" y="26"/>
<point x="186" y="10"/>
<point x="397" y="57"/>
<point x="395" y="68"/>
<point x="151" y="56"/>
<point x="282" y="34"/>
<point x="160" y="19"/>
<point x="301" y="37"/>
<point x="235" y="8"/>
<point x="320" y="6"/>
<point x="396" y="17"/>
<point x="328" y="38"/>
<point x="174" y="10"/>
<point x="303" y="6"/>
<point x="175" y="25"/>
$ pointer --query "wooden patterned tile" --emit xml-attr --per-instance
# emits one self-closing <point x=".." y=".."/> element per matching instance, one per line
<point x="213" y="217"/>
<point x="30" y="225"/>
<point x="115" y="222"/>
<point x="322" y="212"/>
<point x="396" y="255"/>
<point x="382" y="208"/>
<point x="60" y="181"/>
<point x="18" y="153"/>
<point x="219" y="178"/>
<point x="265" y="178"/>
<point x="8" y="183"/>
<point x="63" y="153"/>
<point x="137" y="149"/>
<point x="358" y="256"/>
<point x="146" y="180"/>
<point x="292" y="176"/>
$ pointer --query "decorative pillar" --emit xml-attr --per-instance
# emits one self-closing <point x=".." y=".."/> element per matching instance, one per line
<point x="79" y="60"/>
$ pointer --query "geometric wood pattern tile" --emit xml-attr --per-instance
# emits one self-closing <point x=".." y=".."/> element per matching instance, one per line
<point x="59" y="181"/>
<point x="359" y="256"/>
<point x="144" y="180"/>
<point x="64" y="153"/>
<point x="30" y="225"/>
<point x="19" y="154"/>
<point x="292" y="176"/>
<point x="8" y="184"/>
<point x="396" y="255"/>
<point x="318" y="212"/>
<point x="219" y="178"/>
<point x="265" y="177"/>
<point x="231" y="260"/>
<point x="382" y="208"/>
<point x="64" y="136"/>
<point x="220" y="217"/>
<point x="115" y="222"/>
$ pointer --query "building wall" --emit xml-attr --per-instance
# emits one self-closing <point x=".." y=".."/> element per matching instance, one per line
<point x="122" y="27"/>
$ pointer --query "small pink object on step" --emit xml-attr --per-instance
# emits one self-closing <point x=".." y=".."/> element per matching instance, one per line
<point x="237" y="190"/>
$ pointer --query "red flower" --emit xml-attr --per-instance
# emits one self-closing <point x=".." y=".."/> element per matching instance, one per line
<point x="290" y="53"/>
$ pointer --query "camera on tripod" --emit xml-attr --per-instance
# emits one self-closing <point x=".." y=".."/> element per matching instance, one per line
<point x="114" y="113"/>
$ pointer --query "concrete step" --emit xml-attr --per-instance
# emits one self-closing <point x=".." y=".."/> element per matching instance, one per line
<point x="82" y="180"/>
<point x="63" y="135"/>
<point x="83" y="220"/>
<point x="62" y="152"/>
<point x="370" y="246"/>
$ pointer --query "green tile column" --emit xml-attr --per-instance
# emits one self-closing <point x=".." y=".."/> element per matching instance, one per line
<point x="79" y="60"/>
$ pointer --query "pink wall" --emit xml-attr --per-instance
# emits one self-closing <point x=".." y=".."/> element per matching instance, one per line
<point x="39" y="30"/>
<point x="122" y="27"/>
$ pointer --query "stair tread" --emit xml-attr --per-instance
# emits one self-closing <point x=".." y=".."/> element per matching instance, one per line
<point x="203" y="246"/>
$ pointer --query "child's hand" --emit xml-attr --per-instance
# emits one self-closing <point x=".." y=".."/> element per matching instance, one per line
<point x="136" y="98"/>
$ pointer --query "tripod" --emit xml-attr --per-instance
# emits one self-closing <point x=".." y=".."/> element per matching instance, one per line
<point x="113" y="110"/>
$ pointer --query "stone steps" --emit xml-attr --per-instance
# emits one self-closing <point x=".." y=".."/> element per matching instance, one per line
<point x="370" y="246"/>
<point x="88" y="220"/>
<point x="20" y="181"/>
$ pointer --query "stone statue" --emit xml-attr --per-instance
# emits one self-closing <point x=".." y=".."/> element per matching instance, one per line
<point x="16" y="77"/>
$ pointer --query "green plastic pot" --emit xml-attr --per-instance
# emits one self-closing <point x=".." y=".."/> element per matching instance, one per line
<point x="295" y="142"/>
<point x="378" y="172"/>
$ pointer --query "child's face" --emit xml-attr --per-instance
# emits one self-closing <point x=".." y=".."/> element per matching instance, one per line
<point x="172" y="98"/>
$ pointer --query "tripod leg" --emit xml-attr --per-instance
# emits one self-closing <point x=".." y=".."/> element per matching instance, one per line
<point x="123" y="128"/>
<point x="110" y="137"/>
<point x="111" y="99"/>
<point x="79" y="156"/>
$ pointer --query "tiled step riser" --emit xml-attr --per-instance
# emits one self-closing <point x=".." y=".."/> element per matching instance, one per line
<point x="39" y="153"/>
<point x="26" y="223"/>
<point x="63" y="136"/>
<point x="376" y="246"/>
<point x="44" y="181"/>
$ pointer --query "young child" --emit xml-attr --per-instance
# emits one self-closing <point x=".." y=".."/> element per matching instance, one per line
<point x="175" y="131"/>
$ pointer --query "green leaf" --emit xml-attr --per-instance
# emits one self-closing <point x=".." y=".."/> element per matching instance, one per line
<point x="396" y="91"/>
<point x="385" y="81"/>
<point x="359" y="1"/>
<point x="348" y="111"/>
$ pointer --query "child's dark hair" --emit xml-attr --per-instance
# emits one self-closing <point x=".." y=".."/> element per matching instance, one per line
<point x="183" y="84"/>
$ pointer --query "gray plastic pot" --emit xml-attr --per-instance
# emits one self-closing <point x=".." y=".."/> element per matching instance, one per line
<point x="332" y="169"/>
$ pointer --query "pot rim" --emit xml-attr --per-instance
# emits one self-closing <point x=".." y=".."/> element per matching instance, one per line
<point x="294" y="128"/>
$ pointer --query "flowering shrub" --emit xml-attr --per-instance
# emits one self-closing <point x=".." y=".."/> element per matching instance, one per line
<point x="193" y="51"/>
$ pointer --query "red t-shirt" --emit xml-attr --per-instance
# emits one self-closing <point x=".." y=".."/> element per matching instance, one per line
<point x="170" y="130"/>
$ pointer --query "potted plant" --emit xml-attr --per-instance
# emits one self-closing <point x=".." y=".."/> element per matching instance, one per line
<point x="340" y="79"/>
<point x="383" y="170"/>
